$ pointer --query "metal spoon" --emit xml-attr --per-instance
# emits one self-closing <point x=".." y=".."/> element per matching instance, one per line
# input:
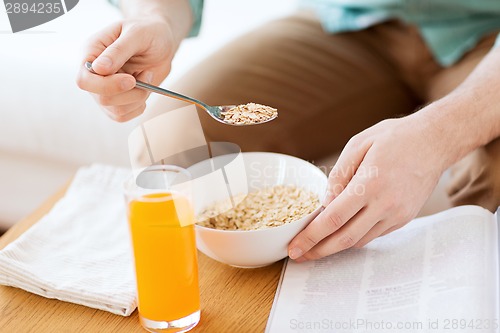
<point x="213" y="111"/>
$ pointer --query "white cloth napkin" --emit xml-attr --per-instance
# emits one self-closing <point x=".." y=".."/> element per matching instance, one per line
<point x="79" y="252"/>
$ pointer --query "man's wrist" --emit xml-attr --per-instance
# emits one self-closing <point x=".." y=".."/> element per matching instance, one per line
<point x="453" y="127"/>
<point x="468" y="117"/>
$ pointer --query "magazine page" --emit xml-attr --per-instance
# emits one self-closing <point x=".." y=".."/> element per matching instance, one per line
<point x="439" y="273"/>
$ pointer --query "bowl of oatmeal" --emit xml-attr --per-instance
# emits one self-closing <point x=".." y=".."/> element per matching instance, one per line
<point x="254" y="204"/>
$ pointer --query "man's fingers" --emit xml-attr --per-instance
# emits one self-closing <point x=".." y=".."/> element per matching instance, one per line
<point x="380" y="229"/>
<point x="129" y="97"/>
<point x="131" y="115"/>
<point x="332" y="218"/>
<point x="116" y="55"/>
<point x="348" y="236"/>
<point x="105" y="85"/>
<point x="121" y="116"/>
<point x="349" y="160"/>
<point x="123" y="110"/>
<point x="391" y="229"/>
<point x="134" y="96"/>
<point x="100" y="40"/>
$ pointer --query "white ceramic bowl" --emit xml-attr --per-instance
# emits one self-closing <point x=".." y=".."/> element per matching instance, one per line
<point x="252" y="171"/>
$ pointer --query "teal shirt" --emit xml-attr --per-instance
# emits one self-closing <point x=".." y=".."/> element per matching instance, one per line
<point x="449" y="27"/>
<point x="197" y="8"/>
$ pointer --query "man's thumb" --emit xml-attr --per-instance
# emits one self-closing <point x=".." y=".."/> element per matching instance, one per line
<point x="115" y="56"/>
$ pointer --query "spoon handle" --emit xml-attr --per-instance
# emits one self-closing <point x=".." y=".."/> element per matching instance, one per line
<point x="169" y="93"/>
<point x="158" y="90"/>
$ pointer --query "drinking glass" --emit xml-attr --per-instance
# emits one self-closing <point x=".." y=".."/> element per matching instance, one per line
<point x="161" y="221"/>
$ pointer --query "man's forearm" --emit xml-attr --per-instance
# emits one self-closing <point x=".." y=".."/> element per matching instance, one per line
<point x="176" y="12"/>
<point x="469" y="117"/>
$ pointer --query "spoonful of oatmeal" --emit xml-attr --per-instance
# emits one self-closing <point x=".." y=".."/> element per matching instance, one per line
<point x="236" y="115"/>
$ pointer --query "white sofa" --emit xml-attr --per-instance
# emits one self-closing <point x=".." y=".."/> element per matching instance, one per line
<point x="48" y="127"/>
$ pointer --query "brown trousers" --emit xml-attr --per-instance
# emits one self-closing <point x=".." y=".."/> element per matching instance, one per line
<point x="329" y="87"/>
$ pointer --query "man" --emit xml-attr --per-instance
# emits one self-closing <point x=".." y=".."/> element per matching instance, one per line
<point x="354" y="70"/>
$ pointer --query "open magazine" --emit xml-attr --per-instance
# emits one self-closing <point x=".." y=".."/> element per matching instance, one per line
<point x="437" y="274"/>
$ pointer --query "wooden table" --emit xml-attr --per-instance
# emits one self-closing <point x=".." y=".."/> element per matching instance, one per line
<point x="232" y="299"/>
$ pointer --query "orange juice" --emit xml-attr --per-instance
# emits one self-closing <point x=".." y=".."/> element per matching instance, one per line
<point x="163" y="239"/>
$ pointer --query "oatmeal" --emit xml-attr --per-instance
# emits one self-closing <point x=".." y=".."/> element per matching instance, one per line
<point x="250" y="113"/>
<point x="266" y="208"/>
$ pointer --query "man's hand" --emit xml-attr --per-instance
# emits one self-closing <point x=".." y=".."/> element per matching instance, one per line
<point x="121" y="53"/>
<point x="385" y="173"/>
<point x="140" y="47"/>
<point x="382" y="178"/>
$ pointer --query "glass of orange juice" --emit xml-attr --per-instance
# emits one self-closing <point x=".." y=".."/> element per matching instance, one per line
<point x="161" y="220"/>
